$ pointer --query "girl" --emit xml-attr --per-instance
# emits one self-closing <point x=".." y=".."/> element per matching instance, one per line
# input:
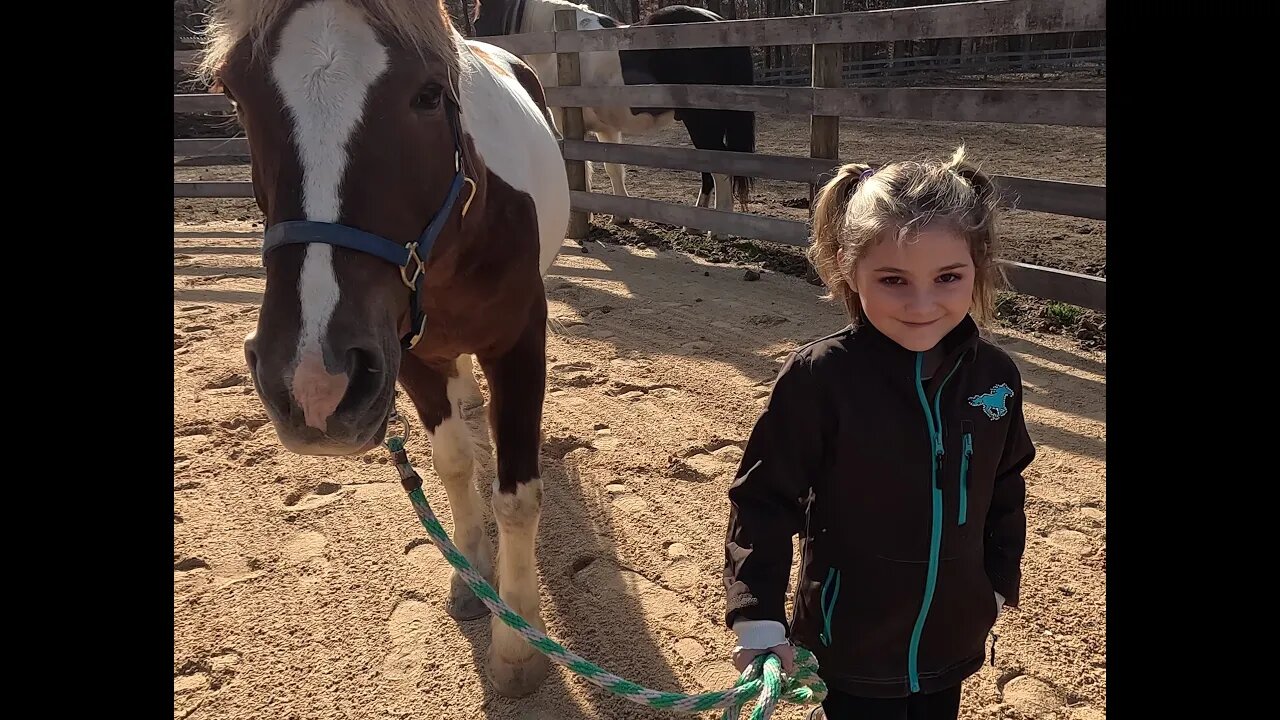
<point x="895" y="447"/>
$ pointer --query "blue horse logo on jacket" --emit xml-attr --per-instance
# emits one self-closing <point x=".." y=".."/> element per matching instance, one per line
<point x="992" y="402"/>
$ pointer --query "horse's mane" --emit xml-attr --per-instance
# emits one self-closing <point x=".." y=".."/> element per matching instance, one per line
<point x="421" y="24"/>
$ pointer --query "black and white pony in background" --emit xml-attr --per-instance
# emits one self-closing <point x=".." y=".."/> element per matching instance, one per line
<point x="731" y="130"/>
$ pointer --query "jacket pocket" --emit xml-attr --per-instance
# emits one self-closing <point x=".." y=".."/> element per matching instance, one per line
<point x="827" y="604"/>
<point x="966" y="428"/>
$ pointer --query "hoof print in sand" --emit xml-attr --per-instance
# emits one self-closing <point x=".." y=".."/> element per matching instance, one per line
<point x="324" y="494"/>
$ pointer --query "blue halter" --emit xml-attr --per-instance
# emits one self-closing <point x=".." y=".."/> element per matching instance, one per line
<point x="411" y="258"/>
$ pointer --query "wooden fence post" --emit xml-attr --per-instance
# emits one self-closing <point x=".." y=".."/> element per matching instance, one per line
<point x="569" y="73"/>
<point x="824" y="130"/>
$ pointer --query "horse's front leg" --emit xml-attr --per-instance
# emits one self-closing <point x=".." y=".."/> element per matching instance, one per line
<point x="469" y="389"/>
<point x="436" y="391"/>
<point x="517" y="379"/>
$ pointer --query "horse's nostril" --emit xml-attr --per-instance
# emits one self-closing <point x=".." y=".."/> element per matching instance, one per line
<point x="359" y="361"/>
<point x="364" y="378"/>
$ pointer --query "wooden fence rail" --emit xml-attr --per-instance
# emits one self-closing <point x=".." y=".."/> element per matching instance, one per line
<point x="1031" y="194"/>
<point x="956" y="20"/>
<point x="1079" y="108"/>
<point x="988" y="18"/>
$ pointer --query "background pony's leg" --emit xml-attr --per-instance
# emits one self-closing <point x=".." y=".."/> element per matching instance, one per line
<point x="517" y="381"/>
<point x="617" y="172"/>
<point x="704" y="192"/>
<point x="435" y="394"/>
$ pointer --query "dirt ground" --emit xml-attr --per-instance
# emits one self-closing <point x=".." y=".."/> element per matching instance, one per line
<point x="305" y="587"/>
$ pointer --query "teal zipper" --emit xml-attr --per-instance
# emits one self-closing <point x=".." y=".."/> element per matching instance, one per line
<point x="964" y="478"/>
<point x="829" y="611"/>
<point x="935" y="532"/>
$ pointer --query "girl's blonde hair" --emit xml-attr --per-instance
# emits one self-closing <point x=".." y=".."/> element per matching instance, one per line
<point x="856" y="208"/>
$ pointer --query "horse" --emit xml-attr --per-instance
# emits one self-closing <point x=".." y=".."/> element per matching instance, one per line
<point x="992" y="402"/>
<point x="731" y="130"/>
<point x="414" y="196"/>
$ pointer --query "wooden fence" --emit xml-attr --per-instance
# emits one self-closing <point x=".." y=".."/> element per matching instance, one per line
<point x="930" y="67"/>
<point x="825" y="102"/>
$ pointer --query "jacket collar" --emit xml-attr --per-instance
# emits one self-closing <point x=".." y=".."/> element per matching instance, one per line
<point x="961" y="342"/>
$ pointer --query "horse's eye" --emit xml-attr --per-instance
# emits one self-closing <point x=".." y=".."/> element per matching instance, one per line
<point x="428" y="98"/>
<point x="221" y="87"/>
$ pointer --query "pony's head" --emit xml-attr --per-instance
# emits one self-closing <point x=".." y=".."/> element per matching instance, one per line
<point x="351" y="115"/>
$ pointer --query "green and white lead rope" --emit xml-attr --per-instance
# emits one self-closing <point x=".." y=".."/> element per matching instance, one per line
<point x="762" y="678"/>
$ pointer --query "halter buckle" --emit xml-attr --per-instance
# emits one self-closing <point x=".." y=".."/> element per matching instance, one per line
<point x="416" y="263"/>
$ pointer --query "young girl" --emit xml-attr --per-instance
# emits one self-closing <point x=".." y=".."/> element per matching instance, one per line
<point x="895" y="448"/>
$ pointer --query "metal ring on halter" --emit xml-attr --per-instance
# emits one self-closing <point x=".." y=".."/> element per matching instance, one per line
<point x="396" y="417"/>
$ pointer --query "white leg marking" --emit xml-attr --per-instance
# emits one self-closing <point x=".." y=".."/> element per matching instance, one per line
<point x="454" y="461"/>
<point x="516" y="667"/>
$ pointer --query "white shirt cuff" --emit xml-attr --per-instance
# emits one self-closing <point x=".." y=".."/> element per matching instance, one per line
<point x="760" y="634"/>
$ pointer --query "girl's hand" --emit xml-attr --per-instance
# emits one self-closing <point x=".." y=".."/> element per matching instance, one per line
<point x="786" y="652"/>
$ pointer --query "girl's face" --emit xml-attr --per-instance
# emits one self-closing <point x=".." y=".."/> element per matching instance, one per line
<point x="916" y="291"/>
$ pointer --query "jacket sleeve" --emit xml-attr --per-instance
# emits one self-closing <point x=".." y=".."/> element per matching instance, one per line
<point x="768" y="497"/>
<point x="1006" y="524"/>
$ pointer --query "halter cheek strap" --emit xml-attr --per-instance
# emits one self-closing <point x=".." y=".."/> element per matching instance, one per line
<point x="410" y="257"/>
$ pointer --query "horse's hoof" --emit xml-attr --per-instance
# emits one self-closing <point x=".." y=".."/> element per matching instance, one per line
<point x="518" y="678"/>
<point x="463" y="604"/>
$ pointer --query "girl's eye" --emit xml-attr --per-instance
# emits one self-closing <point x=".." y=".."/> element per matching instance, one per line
<point x="893" y="280"/>
<point x="948" y="277"/>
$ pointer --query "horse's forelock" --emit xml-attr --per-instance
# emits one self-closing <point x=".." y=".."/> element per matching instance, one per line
<point x="424" y="25"/>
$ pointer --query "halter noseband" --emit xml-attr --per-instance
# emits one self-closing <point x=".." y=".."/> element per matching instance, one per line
<point x="411" y="257"/>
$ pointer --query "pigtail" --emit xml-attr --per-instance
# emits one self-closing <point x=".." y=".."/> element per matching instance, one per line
<point x="982" y="228"/>
<point x="829" y="208"/>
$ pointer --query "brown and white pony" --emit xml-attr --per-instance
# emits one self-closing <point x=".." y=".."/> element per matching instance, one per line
<point x="373" y="125"/>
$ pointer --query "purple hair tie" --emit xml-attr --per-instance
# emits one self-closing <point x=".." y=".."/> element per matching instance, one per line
<point x="866" y="174"/>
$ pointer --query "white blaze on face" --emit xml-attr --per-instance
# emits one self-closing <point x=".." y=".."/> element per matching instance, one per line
<point x="328" y="58"/>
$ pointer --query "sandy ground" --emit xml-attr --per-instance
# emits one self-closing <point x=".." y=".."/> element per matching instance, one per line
<point x="305" y="587"/>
